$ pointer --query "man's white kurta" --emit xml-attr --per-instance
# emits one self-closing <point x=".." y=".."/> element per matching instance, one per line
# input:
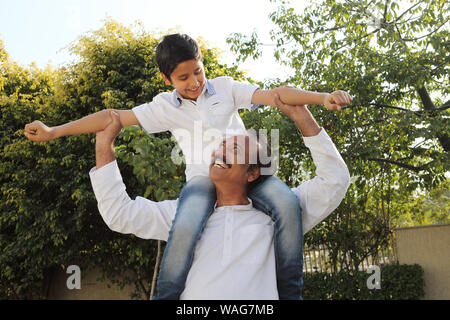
<point x="234" y="258"/>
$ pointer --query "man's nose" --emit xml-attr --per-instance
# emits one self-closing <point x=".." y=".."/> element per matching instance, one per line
<point x="221" y="153"/>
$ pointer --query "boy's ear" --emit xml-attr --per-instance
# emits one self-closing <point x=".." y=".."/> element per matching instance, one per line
<point x="166" y="80"/>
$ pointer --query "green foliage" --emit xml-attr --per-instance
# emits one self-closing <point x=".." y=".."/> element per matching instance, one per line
<point x="398" y="282"/>
<point x="395" y="136"/>
<point x="49" y="215"/>
<point x="426" y="209"/>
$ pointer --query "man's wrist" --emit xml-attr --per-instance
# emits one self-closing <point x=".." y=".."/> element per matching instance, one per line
<point x="305" y="121"/>
<point x="299" y="112"/>
<point x="104" y="154"/>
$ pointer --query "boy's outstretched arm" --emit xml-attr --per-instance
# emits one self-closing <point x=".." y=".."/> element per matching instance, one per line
<point x="294" y="96"/>
<point x="38" y="131"/>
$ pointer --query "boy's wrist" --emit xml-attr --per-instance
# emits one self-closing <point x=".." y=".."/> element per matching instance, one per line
<point x="57" y="132"/>
<point x="325" y="96"/>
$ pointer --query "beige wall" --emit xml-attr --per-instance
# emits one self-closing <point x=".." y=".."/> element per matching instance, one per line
<point x="91" y="289"/>
<point x="428" y="246"/>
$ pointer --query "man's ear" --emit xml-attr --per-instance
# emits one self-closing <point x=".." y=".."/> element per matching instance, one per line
<point x="166" y="80"/>
<point x="253" y="174"/>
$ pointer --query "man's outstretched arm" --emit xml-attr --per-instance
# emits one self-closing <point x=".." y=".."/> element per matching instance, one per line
<point x="144" y="218"/>
<point x="321" y="195"/>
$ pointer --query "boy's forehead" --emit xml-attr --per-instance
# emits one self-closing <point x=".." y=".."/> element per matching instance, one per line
<point x="187" y="65"/>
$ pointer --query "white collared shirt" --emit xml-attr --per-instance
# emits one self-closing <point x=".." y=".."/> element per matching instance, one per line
<point x="199" y="126"/>
<point x="234" y="258"/>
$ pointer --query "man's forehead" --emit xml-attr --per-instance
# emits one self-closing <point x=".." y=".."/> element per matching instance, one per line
<point x="236" y="139"/>
<point x="246" y="143"/>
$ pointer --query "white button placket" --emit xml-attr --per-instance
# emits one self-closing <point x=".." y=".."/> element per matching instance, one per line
<point x="228" y="237"/>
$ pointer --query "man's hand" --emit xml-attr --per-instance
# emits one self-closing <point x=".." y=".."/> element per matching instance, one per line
<point x="337" y="99"/>
<point x="287" y="109"/>
<point x="37" y="131"/>
<point x="104" y="145"/>
<point x="109" y="134"/>
<point x="301" y="116"/>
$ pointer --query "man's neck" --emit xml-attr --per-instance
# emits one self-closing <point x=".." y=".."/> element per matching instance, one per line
<point x="231" y="197"/>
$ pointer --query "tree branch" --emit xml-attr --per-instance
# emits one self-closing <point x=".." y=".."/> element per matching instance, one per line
<point x="407" y="10"/>
<point x="379" y="105"/>
<point x="403" y="165"/>
<point x="425" y="98"/>
<point x="155" y="271"/>
<point x="421" y="37"/>
<point x="445" y="106"/>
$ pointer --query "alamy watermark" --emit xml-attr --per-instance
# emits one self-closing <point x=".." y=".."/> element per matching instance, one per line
<point x="74" y="280"/>
<point x="374" y="281"/>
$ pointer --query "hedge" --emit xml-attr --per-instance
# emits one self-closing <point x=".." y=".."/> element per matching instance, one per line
<point x="398" y="282"/>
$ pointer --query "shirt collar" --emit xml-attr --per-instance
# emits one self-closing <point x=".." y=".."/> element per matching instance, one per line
<point x="176" y="98"/>
<point x="240" y="207"/>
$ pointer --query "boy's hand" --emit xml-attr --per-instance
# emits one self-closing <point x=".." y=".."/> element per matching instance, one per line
<point x="37" y="131"/>
<point x="336" y="100"/>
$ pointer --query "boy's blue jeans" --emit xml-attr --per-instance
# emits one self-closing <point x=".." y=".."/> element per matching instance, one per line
<point x="196" y="203"/>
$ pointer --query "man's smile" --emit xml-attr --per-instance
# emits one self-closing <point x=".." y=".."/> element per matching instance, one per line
<point x="219" y="163"/>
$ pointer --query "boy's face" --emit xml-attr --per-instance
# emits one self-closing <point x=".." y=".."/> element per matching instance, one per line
<point x="188" y="78"/>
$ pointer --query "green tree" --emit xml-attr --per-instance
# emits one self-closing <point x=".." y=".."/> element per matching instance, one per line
<point x="49" y="216"/>
<point x="430" y="207"/>
<point x="393" y="58"/>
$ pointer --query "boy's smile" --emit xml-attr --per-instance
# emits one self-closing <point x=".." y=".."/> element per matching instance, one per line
<point x="188" y="78"/>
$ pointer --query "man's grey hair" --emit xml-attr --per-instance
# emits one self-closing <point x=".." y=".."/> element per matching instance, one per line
<point x="266" y="156"/>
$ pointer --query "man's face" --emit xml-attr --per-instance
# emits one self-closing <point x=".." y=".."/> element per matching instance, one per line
<point x="188" y="78"/>
<point x="230" y="162"/>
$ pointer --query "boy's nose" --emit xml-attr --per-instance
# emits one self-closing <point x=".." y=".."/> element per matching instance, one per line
<point x="194" y="82"/>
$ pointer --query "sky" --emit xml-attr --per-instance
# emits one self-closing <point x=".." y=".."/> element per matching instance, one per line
<point x="41" y="30"/>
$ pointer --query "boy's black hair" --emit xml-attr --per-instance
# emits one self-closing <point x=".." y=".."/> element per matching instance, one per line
<point x="174" y="49"/>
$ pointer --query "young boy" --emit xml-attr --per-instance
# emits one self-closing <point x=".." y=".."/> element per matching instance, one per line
<point x="207" y="104"/>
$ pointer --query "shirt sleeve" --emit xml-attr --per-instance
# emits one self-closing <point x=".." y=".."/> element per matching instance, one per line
<point x="321" y="195"/>
<point x="242" y="95"/>
<point x="151" y="117"/>
<point x="144" y="218"/>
